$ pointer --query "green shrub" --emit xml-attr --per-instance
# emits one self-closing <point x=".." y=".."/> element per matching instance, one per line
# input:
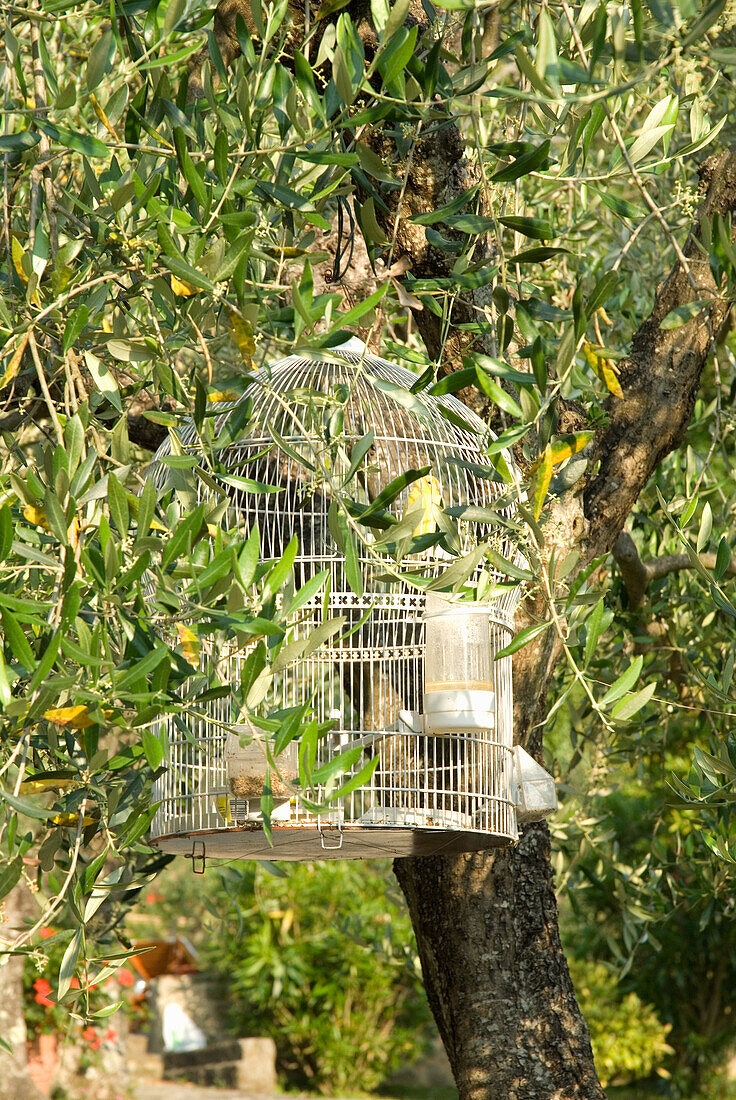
<point x="629" y="1041"/>
<point x="323" y="960"/>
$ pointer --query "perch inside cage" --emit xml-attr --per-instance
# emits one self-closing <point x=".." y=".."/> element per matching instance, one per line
<point x="402" y="676"/>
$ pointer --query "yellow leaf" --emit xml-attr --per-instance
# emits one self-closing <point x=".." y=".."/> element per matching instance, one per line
<point x="424" y="492"/>
<point x="96" y="107"/>
<point x="603" y="368"/>
<point x="14" y="364"/>
<point x="287" y="922"/>
<point x="18" y="254"/>
<point x="36" y="515"/>
<point x="216" y="396"/>
<point x="47" y="781"/>
<point x="243" y="332"/>
<point x="564" y="447"/>
<point x="189" y="643"/>
<point x="71" y="819"/>
<point x="76" y="717"/>
<point x="287" y="252"/>
<point x="544" y="476"/>
<point x="184" y="290"/>
<point x="61" y="275"/>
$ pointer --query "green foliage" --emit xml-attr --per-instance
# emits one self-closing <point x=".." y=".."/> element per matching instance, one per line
<point x="629" y="1041"/>
<point x="646" y="896"/>
<point x="323" y="960"/>
<point x="44" y="1014"/>
<point x="154" y="250"/>
<point x="106" y="599"/>
<point x="641" y="889"/>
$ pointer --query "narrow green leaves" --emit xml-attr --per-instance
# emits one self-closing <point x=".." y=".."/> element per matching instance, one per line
<point x="624" y="683"/>
<point x="521" y="639"/>
<point x="632" y="704"/>
<point x="18" y="143"/>
<point x="594" y="628"/>
<point x="69" y="962"/>
<point x="183" y="535"/>
<point x="498" y="395"/>
<point x="523" y="165"/>
<point x="6" y="531"/>
<point x="80" y="143"/>
<point x="9" y="875"/>
<point x="706" y="526"/>
<point x="182" y="270"/>
<point x="17" y="640"/>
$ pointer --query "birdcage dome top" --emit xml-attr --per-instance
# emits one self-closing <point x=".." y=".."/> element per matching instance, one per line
<point x="328" y="424"/>
<point x="375" y="393"/>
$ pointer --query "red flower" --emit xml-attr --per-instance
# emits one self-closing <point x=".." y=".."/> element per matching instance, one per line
<point x="125" y="978"/>
<point x="74" y="983"/>
<point x="90" y="1035"/>
<point x="111" y="1035"/>
<point x="43" y="989"/>
<point x="46" y="933"/>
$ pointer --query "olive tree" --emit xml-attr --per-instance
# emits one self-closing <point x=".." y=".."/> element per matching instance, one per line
<point x="528" y="204"/>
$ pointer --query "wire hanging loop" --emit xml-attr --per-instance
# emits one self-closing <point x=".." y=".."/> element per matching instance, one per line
<point x="341" y="266"/>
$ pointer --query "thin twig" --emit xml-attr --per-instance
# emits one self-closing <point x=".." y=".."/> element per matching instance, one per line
<point x="55" y="305"/>
<point x="44" y="387"/>
<point x="6" y="198"/>
<point x="26" y="936"/>
<point x="40" y="173"/>
<point x="205" y="349"/>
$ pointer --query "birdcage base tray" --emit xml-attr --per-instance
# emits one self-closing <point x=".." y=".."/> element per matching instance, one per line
<point x="307" y="842"/>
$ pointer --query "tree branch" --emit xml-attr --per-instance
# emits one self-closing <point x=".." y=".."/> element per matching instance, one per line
<point x="660" y="377"/>
<point x="638" y="575"/>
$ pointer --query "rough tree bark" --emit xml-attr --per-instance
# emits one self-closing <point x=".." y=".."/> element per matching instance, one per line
<point x="15" y="1084"/>
<point x="486" y="923"/>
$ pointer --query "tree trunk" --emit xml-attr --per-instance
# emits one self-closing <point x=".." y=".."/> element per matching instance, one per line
<point x="495" y="973"/>
<point x="486" y="924"/>
<point x="15" y="1084"/>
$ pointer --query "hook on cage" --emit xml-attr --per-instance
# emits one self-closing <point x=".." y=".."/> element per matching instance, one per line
<point x="197" y="857"/>
<point x="331" y="839"/>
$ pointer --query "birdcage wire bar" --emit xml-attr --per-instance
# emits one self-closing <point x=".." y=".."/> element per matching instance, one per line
<point x="429" y="793"/>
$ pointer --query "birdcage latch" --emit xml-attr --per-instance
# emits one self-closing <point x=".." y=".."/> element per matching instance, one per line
<point x="198" y="857"/>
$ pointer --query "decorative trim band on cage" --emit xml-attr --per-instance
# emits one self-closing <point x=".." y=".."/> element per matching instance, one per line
<point x="376" y="483"/>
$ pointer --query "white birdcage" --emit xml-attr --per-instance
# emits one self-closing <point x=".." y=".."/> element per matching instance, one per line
<point x="330" y="430"/>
